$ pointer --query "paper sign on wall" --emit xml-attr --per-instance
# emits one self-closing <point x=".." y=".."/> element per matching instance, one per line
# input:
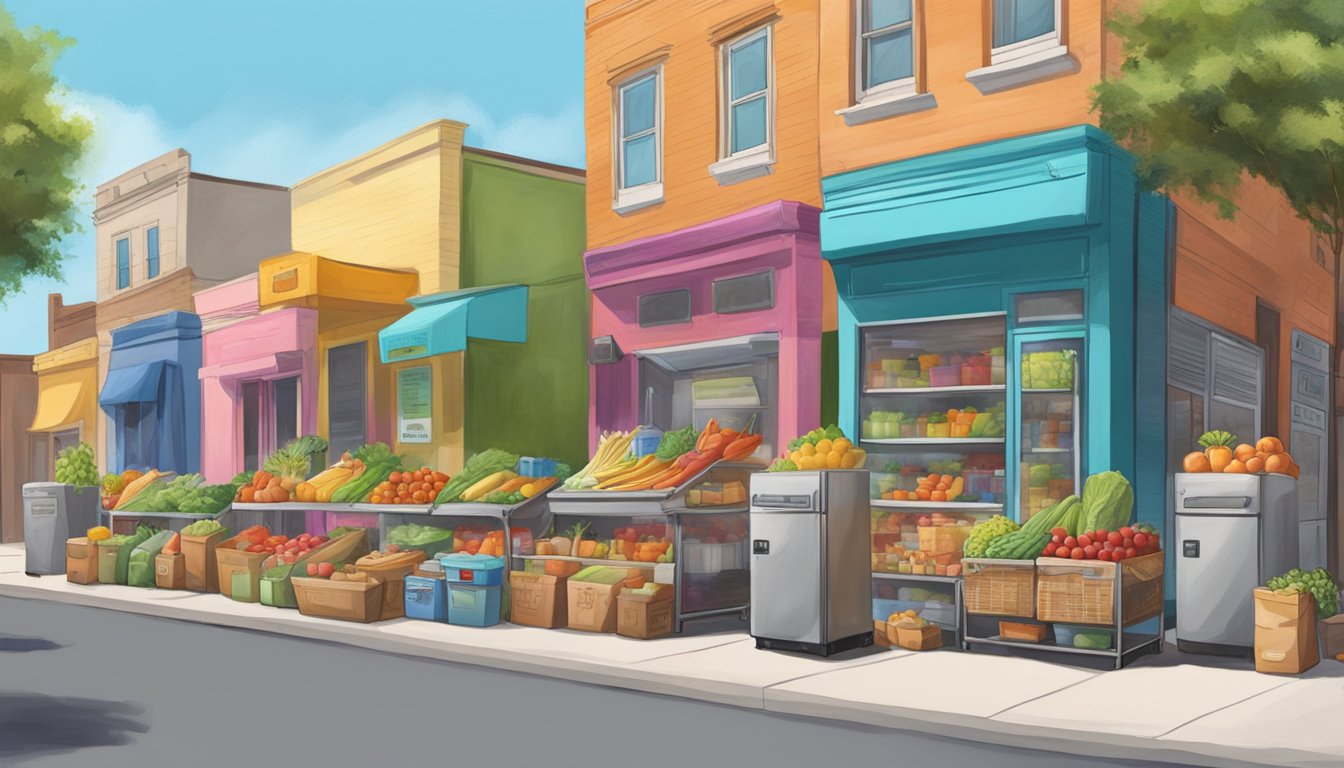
<point x="414" y="404"/>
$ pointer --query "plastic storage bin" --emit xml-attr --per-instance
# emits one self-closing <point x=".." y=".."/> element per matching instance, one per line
<point x="471" y="605"/>
<point x="945" y="376"/>
<point x="426" y="598"/>
<point x="529" y="466"/>
<point x="479" y="570"/>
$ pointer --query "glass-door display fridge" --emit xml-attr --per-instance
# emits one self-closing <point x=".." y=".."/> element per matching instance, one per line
<point x="1048" y="424"/>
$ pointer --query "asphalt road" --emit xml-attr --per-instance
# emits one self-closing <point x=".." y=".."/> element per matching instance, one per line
<point x="89" y="687"/>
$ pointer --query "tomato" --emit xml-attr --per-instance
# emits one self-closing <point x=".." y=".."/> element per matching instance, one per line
<point x="1050" y="548"/>
<point x="1126" y="531"/>
<point x="1090" y="552"/>
<point x="1059" y="533"/>
<point x="438" y="486"/>
<point x="1108" y="547"/>
<point x="1084" y="541"/>
<point x="1104" y="554"/>
<point x="1118" y="555"/>
<point x="1063" y="552"/>
<point x="1131" y="552"/>
<point x="419" y="497"/>
<point x="417" y="476"/>
<point x="440" y="477"/>
<point x="1056" y="540"/>
<point x="402" y="488"/>
<point x="256" y="548"/>
<point x="268" y="550"/>
<point x="1076" y="554"/>
<point x="1070" y="542"/>
<point x="1100" y="534"/>
<point x="1140" y="540"/>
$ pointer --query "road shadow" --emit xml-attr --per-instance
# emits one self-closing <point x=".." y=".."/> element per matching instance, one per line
<point x="33" y="724"/>
<point x="17" y="644"/>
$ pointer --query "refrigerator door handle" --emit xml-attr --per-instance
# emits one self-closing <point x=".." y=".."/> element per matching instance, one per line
<point x="1217" y="502"/>
<point x="768" y="501"/>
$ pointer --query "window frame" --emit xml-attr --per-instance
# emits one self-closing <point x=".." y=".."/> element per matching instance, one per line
<point x="629" y="199"/>
<point x="727" y="102"/>
<point x="904" y="86"/>
<point x="1043" y="43"/>
<point x="117" y="270"/>
<point x="267" y="417"/>
<point x="152" y="255"/>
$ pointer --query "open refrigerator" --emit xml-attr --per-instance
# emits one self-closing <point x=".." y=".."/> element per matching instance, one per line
<point x="962" y="419"/>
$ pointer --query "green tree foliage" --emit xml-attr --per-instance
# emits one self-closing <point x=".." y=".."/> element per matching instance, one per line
<point x="1210" y="88"/>
<point x="40" y="145"/>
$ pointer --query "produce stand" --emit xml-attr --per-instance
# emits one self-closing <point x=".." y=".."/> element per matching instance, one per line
<point x="1068" y="598"/>
<point x="710" y="578"/>
<point x="173" y="520"/>
<point x="947" y="616"/>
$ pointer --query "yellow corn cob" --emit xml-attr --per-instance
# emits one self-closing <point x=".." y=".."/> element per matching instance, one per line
<point x="136" y="486"/>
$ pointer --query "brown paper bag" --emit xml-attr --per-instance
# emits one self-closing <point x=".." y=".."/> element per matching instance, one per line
<point x="1285" y="632"/>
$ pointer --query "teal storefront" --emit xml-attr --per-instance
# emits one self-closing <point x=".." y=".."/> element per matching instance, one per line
<point x="1002" y="320"/>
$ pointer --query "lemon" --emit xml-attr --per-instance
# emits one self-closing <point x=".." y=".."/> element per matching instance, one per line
<point x="841" y="444"/>
<point x="848" y="461"/>
<point x="833" y="460"/>
<point x="823" y="446"/>
<point x="808" y="449"/>
<point x="797" y="458"/>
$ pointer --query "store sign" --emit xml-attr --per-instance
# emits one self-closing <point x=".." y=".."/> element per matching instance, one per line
<point x="414" y="405"/>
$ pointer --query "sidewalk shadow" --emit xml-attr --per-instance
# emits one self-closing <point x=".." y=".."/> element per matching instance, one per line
<point x="32" y="724"/>
<point x="17" y="644"/>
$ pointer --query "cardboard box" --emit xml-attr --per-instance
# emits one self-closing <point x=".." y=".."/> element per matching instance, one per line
<point x="81" y="561"/>
<point x="1285" y="632"/>
<point x="360" y="601"/>
<point x="880" y="633"/>
<point x="170" y="570"/>
<point x="592" y="606"/>
<point x="1331" y="631"/>
<point x="1021" y="631"/>
<point x="538" y="600"/>
<point x="239" y="571"/>
<point x="921" y="639"/>
<point x="644" y="616"/>
<point x="201" y="568"/>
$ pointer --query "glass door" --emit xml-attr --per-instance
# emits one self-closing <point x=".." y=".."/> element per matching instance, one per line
<point x="1049" y="417"/>
<point x="933" y="421"/>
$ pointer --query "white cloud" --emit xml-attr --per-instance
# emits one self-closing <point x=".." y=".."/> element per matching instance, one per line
<point x="278" y="150"/>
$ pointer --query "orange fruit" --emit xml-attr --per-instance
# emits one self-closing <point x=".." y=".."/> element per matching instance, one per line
<point x="1269" y="444"/>
<point x="1255" y="465"/>
<point x="1196" y="461"/>
<point x="1236" y="467"/>
<point x="1244" y="452"/>
<point x="939" y="496"/>
<point x="1277" y="462"/>
<point x="924" y="494"/>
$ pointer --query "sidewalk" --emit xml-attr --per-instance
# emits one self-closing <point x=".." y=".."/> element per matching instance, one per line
<point x="1162" y="708"/>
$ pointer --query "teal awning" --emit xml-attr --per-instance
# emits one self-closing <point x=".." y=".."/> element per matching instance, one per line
<point x="132" y="384"/>
<point x="442" y="322"/>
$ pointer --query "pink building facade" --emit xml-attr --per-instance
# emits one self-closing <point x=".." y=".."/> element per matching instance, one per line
<point x="686" y="325"/>
<point x="258" y="378"/>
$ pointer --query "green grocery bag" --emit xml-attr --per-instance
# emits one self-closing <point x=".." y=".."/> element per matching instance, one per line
<point x="114" y="555"/>
<point x="140" y="563"/>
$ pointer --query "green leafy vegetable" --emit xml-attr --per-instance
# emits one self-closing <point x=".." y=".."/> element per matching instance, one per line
<point x="676" y="443"/>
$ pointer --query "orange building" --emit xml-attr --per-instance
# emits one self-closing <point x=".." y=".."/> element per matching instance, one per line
<point x="903" y="83"/>
<point x="703" y="196"/>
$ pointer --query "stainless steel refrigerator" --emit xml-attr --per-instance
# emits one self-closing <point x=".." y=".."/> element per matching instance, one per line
<point x="1234" y="532"/>
<point x="52" y="513"/>
<point x="811" y="587"/>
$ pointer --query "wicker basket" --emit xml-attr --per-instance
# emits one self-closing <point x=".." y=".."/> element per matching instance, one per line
<point x="1083" y="592"/>
<point x="999" y="587"/>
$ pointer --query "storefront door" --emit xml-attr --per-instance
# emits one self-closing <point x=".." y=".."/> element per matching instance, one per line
<point x="347" y="397"/>
<point x="270" y="418"/>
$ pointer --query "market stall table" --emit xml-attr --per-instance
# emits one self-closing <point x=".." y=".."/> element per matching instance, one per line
<point x="710" y="572"/>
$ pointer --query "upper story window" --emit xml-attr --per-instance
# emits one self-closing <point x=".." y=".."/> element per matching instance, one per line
<point x="123" y="262"/>
<point x="1027" y="44"/>
<point x="747" y="111"/>
<point x="886" y="54"/>
<point x="152" y="252"/>
<point x="639" y="141"/>
<point x="886" y="62"/>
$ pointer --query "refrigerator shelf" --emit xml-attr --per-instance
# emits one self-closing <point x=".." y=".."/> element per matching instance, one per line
<point x="978" y="506"/>
<point x="1059" y="391"/>
<point x="591" y="561"/>
<point x="957" y="390"/>
<point x="916" y="577"/>
<point x="934" y="441"/>
<point x="1047" y="450"/>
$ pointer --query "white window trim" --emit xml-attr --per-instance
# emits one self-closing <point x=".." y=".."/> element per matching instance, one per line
<point x="631" y="199"/>
<point x="898" y="97"/>
<point x="1026" y="61"/>
<point x="752" y="162"/>
<point x="155" y="226"/>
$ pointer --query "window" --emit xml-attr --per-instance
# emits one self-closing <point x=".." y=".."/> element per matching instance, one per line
<point x="1019" y="21"/>
<point x="748" y="78"/>
<point x="886" y="52"/>
<point x="1026" y="44"/>
<point x="123" y="263"/>
<point x="152" y="252"/>
<point x="747" y="108"/>
<point x="745" y="293"/>
<point x="665" y="308"/>
<point x="639" y="142"/>
<point x="346" y="397"/>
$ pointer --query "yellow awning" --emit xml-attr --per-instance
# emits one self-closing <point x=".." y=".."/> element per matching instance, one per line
<point x="64" y="398"/>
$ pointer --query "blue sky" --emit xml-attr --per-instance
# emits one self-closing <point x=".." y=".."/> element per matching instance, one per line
<point x="275" y="91"/>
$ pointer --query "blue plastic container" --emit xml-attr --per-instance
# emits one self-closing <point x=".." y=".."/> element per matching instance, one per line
<point x="481" y="570"/>
<point x="426" y="598"/>
<point x="529" y="466"/>
<point x="473" y="606"/>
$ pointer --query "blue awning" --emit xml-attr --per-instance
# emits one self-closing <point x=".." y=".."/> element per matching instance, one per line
<point x="443" y="322"/>
<point x="132" y="384"/>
